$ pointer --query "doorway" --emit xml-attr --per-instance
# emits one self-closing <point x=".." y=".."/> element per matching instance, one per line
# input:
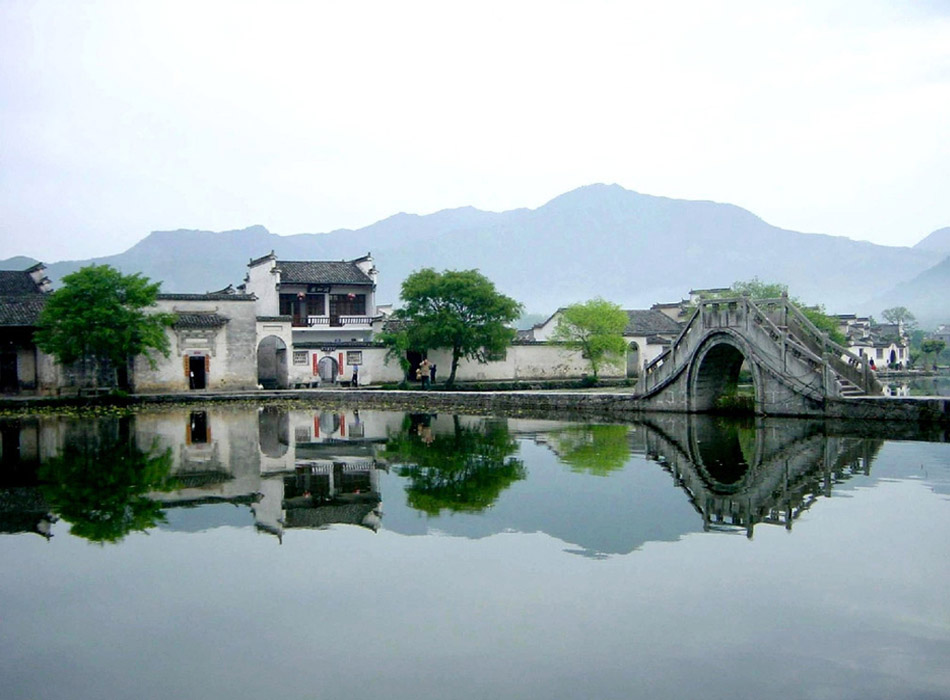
<point x="327" y="368"/>
<point x="196" y="372"/>
<point x="415" y="359"/>
<point x="272" y="363"/>
<point x="9" y="380"/>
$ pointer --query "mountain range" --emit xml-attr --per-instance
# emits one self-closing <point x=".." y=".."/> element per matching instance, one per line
<point x="598" y="240"/>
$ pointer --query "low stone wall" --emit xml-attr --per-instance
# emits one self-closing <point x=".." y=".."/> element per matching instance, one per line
<point x="868" y="411"/>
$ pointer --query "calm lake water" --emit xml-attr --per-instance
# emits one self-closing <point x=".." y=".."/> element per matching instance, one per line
<point x="919" y="386"/>
<point x="287" y="552"/>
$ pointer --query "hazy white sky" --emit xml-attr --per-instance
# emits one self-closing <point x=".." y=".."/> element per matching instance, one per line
<point x="119" y="118"/>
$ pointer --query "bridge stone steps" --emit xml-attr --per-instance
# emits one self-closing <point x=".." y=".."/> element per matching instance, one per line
<point x="848" y="389"/>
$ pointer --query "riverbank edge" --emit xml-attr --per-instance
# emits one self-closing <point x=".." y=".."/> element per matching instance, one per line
<point x="604" y="404"/>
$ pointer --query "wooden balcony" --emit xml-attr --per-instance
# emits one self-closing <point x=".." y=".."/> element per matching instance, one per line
<point x="319" y="322"/>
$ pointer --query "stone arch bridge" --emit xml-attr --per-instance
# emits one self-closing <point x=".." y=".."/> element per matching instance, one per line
<point x="795" y="367"/>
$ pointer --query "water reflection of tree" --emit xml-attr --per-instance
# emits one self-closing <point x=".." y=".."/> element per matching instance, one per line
<point x="596" y="449"/>
<point x="100" y="482"/>
<point x="464" y="470"/>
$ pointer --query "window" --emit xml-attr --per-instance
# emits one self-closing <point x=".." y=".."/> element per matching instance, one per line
<point x="354" y="357"/>
<point x="300" y="357"/>
<point x="288" y="305"/>
<point x="316" y="305"/>
<point x="347" y="304"/>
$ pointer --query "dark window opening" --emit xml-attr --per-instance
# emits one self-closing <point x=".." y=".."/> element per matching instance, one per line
<point x="347" y="304"/>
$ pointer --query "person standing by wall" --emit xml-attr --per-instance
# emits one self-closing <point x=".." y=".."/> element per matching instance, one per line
<point x="424" y="373"/>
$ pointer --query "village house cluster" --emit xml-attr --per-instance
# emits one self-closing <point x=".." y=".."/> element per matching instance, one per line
<point x="296" y="324"/>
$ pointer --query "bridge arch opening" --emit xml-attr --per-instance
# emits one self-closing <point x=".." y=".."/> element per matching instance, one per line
<point x="715" y="379"/>
<point x="724" y="449"/>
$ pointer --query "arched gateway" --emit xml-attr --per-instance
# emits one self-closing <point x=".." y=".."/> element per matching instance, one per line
<point x="794" y="367"/>
<point x="272" y="363"/>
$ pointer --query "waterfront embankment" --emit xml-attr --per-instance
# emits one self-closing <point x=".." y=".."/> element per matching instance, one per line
<point x="597" y="403"/>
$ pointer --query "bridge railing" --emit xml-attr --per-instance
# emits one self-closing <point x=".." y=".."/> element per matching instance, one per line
<point x="663" y="366"/>
<point x="855" y="368"/>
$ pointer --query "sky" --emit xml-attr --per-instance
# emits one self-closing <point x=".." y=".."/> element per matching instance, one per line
<point x="120" y="118"/>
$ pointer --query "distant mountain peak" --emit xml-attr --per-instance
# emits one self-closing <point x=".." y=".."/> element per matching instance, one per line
<point x="938" y="241"/>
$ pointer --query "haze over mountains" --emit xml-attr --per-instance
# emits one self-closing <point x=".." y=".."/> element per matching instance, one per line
<point x="598" y="240"/>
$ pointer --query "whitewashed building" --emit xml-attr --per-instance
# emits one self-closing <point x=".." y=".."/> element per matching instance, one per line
<point x="647" y="334"/>
<point x="315" y="320"/>
<point x="213" y="344"/>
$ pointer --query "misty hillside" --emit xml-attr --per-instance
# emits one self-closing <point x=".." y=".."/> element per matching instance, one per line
<point x="936" y="242"/>
<point x="20" y="262"/>
<point x="927" y="296"/>
<point x="599" y="240"/>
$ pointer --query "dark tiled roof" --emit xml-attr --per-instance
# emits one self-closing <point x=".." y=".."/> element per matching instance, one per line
<point x="331" y="514"/>
<point x="650" y="322"/>
<point x="216" y="296"/>
<point x="395" y="325"/>
<point x="17" y="282"/>
<point x="21" y="310"/>
<point x="199" y="320"/>
<point x="319" y="272"/>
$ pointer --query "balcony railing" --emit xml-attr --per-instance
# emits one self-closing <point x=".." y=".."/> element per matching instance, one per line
<point x="330" y="321"/>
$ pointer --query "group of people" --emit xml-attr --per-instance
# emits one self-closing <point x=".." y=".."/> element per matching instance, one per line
<point x="425" y="373"/>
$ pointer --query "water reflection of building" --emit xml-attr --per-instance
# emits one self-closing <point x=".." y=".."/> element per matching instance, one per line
<point x="319" y="467"/>
<point x="23" y="507"/>
<point x="291" y="469"/>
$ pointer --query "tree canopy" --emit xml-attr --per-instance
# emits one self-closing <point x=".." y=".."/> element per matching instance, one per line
<point x="597" y="449"/>
<point x="101" y="481"/>
<point x="464" y="470"/>
<point x="595" y="328"/>
<point x="757" y="289"/>
<point x="900" y="314"/>
<point x="931" y="348"/>
<point x="459" y="310"/>
<point x="100" y="314"/>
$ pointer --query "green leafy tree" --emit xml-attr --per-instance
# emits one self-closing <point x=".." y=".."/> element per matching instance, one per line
<point x="99" y="315"/>
<point x="459" y="310"/>
<point x="464" y="470"/>
<point x="900" y="314"/>
<point x="397" y="344"/>
<point x="101" y="481"/>
<point x="757" y="289"/>
<point x="596" y="449"/>
<point x="931" y="349"/>
<point x="595" y="328"/>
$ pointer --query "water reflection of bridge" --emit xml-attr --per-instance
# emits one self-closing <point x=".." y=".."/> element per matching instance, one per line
<point x="763" y="471"/>
<point x="311" y="468"/>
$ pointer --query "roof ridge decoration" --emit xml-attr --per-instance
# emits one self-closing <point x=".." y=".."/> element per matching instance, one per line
<point x="264" y="258"/>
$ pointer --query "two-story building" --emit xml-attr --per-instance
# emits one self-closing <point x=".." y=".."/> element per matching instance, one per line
<point x="886" y="344"/>
<point x="315" y="318"/>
